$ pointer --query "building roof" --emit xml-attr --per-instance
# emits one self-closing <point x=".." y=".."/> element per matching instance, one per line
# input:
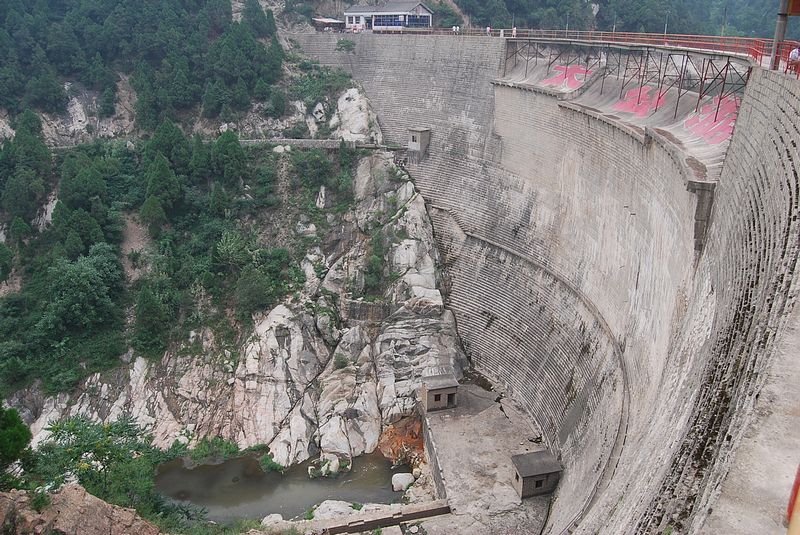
<point x="326" y="20"/>
<point x="536" y="464"/>
<point x="387" y="7"/>
<point x="417" y="129"/>
<point x="434" y="382"/>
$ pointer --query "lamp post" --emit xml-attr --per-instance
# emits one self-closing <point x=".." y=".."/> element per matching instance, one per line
<point x="780" y="34"/>
<point x="666" y="21"/>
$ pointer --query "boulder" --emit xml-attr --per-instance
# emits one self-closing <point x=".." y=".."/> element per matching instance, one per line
<point x="400" y="482"/>
<point x="271" y="520"/>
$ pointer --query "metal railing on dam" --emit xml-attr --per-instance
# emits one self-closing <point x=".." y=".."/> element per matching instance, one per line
<point x="757" y="49"/>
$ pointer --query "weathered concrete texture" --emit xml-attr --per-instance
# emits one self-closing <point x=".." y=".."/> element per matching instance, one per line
<point x="475" y="442"/>
<point x="753" y="256"/>
<point x="569" y="243"/>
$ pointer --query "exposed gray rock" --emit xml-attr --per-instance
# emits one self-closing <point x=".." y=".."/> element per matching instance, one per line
<point x="271" y="520"/>
<point x="402" y="481"/>
<point x="309" y="379"/>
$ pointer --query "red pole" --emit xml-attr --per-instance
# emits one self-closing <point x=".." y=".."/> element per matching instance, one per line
<point x="793" y="510"/>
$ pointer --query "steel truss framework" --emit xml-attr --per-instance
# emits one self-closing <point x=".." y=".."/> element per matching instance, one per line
<point x="686" y="71"/>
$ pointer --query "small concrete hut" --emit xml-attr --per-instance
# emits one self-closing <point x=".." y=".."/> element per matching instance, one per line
<point x="439" y="392"/>
<point x="536" y="473"/>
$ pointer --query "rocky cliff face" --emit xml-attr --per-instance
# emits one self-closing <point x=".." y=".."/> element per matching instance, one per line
<point x="321" y="373"/>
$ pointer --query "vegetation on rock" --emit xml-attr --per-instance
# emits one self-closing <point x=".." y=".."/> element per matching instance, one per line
<point x="68" y="320"/>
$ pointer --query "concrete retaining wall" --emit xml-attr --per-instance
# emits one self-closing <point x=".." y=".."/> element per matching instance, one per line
<point x="432" y="457"/>
<point x="570" y="254"/>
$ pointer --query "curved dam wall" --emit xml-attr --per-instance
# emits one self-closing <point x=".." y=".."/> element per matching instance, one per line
<point x="574" y="272"/>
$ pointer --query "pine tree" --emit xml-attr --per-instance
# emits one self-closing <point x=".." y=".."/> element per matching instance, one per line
<point x="107" y="103"/>
<point x="153" y="215"/>
<point x="255" y="19"/>
<point x="162" y="182"/>
<point x="240" y="99"/>
<point x="229" y="159"/>
<point x="73" y="245"/>
<point x="200" y="164"/>
<point x="152" y="321"/>
<point x="214" y="99"/>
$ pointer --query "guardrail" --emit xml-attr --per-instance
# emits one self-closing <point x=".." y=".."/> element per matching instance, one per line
<point x="758" y="49"/>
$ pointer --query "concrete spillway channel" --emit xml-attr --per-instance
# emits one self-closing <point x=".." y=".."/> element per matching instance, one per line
<point x="619" y="232"/>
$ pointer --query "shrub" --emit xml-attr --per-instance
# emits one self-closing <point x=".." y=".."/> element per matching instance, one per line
<point x="345" y="45"/>
<point x="269" y="465"/>
<point x="213" y="448"/>
<point x="340" y="361"/>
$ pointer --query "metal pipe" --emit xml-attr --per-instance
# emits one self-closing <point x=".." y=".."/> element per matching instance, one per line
<point x="780" y="34"/>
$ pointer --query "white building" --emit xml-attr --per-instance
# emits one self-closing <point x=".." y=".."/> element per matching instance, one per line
<point x="389" y="16"/>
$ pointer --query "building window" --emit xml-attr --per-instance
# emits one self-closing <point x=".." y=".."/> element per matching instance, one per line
<point x="516" y="477"/>
<point x="539" y="483"/>
<point x="413" y="139"/>
<point x="387" y="21"/>
<point x="437" y="397"/>
<point x="418" y="21"/>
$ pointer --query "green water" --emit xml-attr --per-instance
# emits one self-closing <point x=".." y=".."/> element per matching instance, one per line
<point x="238" y="488"/>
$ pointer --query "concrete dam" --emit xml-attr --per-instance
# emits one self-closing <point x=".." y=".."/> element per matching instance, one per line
<point x="621" y="255"/>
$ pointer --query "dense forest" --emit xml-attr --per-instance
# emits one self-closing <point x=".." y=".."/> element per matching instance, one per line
<point x="180" y="54"/>
<point x="747" y="18"/>
<point x="190" y="195"/>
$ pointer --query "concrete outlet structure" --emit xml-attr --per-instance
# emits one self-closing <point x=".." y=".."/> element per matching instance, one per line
<point x="418" y="141"/>
<point x="535" y="473"/>
<point x="439" y="392"/>
<point x="622" y="257"/>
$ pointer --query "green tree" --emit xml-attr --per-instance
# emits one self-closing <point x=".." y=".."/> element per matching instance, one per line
<point x="73" y="245"/>
<point x="6" y="261"/>
<point x="28" y="148"/>
<point x="214" y="98"/>
<point x="152" y="322"/>
<point x="229" y="159"/>
<point x="85" y="226"/>
<point x="261" y="91"/>
<point x="80" y="189"/>
<point x="312" y="168"/>
<point x="200" y="163"/>
<point x="162" y="182"/>
<point x="19" y="230"/>
<point x="272" y="28"/>
<point x="169" y="140"/>
<point x="373" y="272"/>
<point x="23" y="193"/>
<point x="14" y="436"/>
<point x="232" y="251"/>
<point x="82" y="293"/>
<point x="108" y="101"/>
<point x="153" y="215"/>
<point x="256" y="20"/>
<point x="240" y="97"/>
<point x="46" y="93"/>
<point x="93" y="452"/>
<point x="255" y="290"/>
<point x="277" y="103"/>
